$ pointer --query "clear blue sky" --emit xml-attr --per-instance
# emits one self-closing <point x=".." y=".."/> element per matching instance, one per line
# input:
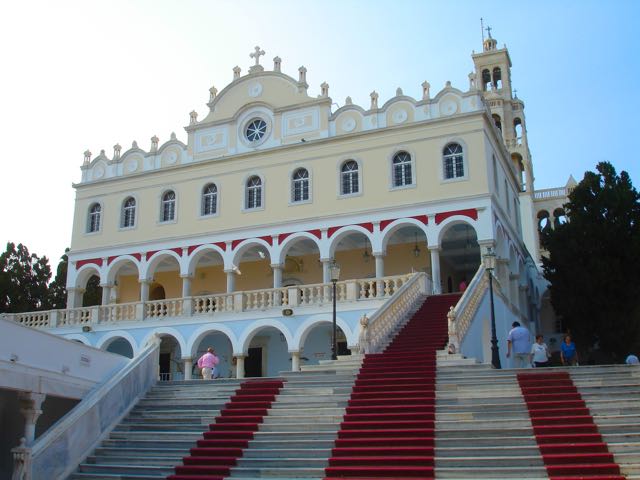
<point x="80" y="74"/>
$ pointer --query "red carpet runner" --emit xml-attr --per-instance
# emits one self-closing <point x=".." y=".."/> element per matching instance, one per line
<point x="568" y="438"/>
<point x="388" y="427"/>
<point x="214" y="456"/>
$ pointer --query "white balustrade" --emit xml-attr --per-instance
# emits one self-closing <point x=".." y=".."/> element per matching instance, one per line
<point x="118" y="312"/>
<point x="299" y="295"/>
<point x="406" y="291"/>
<point x="163" y="308"/>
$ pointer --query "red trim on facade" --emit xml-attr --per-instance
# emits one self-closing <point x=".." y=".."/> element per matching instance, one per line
<point x="96" y="261"/>
<point x="283" y="236"/>
<point x="385" y="223"/>
<point x="148" y="255"/>
<point x="268" y="239"/>
<point x="192" y="248"/>
<point x="316" y="232"/>
<point x="470" y="212"/>
<point x="222" y="245"/>
<point x="137" y="256"/>
<point x="422" y="218"/>
<point x="235" y="243"/>
<point x="178" y="250"/>
<point x="366" y="225"/>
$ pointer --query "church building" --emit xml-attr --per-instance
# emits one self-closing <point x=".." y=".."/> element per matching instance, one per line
<point x="234" y="234"/>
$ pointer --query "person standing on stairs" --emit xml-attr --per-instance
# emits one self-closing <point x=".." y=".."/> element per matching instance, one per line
<point x="568" y="353"/>
<point x="207" y="363"/>
<point x="540" y="352"/>
<point x="519" y="341"/>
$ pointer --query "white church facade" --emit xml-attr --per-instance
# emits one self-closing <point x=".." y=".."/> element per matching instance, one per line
<point x="227" y="239"/>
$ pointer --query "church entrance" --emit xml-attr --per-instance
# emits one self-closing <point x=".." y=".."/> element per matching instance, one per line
<point x="253" y="363"/>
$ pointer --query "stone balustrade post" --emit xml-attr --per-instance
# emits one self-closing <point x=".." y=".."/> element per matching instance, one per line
<point x="53" y="318"/>
<point x="95" y="315"/>
<point x="21" y="461"/>
<point x="106" y="293"/>
<point x="238" y="302"/>
<point x="352" y="289"/>
<point x="30" y="403"/>
<point x="294" y="296"/>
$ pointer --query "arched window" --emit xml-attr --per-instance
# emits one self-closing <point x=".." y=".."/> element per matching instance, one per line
<point x="254" y="192"/>
<point x="300" y="185"/>
<point x="497" y="78"/>
<point x="349" y="183"/>
<point x="168" y="206"/>
<point x="95" y="212"/>
<point x="486" y="79"/>
<point x="128" y="213"/>
<point x="560" y="217"/>
<point x="543" y="221"/>
<point x="209" y="199"/>
<point x="497" y="121"/>
<point x="517" y="130"/>
<point x="402" y="175"/>
<point x="453" y="161"/>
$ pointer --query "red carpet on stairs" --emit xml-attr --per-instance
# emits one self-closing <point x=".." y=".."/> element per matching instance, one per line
<point x="388" y="427"/>
<point x="568" y="438"/>
<point x="226" y="439"/>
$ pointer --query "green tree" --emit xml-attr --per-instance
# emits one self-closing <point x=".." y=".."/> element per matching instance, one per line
<point x="23" y="280"/>
<point x="594" y="263"/>
<point x="58" y="288"/>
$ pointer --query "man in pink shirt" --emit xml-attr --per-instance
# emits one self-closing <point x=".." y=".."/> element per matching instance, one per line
<point x="207" y="363"/>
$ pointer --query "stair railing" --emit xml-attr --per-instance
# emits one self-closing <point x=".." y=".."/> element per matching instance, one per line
<point x="375" y="331"/>
<point x="461" y="315"/>
<point x="57" y="453"/>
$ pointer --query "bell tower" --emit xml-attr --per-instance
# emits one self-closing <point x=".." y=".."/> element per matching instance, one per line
<point x="493" y="79"/>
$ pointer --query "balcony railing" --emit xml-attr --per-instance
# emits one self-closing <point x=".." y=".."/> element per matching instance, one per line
<point x="244" y="301"/>
<point x="548" y="193"/>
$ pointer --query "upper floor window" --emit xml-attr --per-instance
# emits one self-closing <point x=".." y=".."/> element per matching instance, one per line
<point x="254" y="193"/>
<point x="209" y="199"/>
<point x="453" y="161"/>
<point x="95" y="212"/>
<point x="168" y="206"/>
<point x="349" y="182"/>
<point x="128" y="213"/>
<point x="402" y="169"/>
<point x="300" y="185"/>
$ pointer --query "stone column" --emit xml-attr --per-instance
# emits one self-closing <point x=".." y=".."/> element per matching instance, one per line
<point x="295" y="361"/>
<point x="186" y="285"/>
<point x="435" y="269"/>
<point x="144" y="290"/>
<point x="277" y="275"/>
<point x="379" y="274"/>
<point x="239" y="366"/>
<point x="188" y="368"/>
<point x="30" y="403"/>
<point x="106" y="293"/>
<point x="231" y="280"/>
<point x="74" y="297"/>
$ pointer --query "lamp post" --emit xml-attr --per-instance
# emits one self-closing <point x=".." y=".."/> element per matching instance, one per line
<point x="489" y="260"/>
<point x="334" y="270"/>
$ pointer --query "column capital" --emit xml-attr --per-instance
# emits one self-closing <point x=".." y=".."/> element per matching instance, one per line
<point x="230" y="270"/>
<point x="187" y="359"/>
<point x="432" y="248"/>
<point x="326" y="260"/>
<point x="188" y="276"/>
<point x="379" y="254"/>
<point x="148" y="281"/>
<point x="277" y="265"/>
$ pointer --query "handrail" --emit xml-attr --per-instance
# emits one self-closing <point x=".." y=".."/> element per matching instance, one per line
<point x="461" y="315"/>
<point x="376" y="330"/>
<point x="56" y="454"/>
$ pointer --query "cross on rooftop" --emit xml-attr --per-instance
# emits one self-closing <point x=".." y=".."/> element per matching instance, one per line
<point x="489" y="31"/>
<point x="257" y="55"/>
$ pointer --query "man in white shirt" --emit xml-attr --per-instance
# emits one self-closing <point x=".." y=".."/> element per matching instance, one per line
<point x="519" y="341"/>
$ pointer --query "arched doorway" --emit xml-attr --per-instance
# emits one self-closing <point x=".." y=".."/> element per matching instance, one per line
<point x="169" y="359"/>
<point x="459" y="257"/>
<point x="317" y="344"/>
<point x="120" y="346"/>
<point x="223" y="350"/>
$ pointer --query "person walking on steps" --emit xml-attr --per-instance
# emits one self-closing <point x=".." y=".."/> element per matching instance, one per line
<point x="519" y="341"/>
<point x="568" y="353"/>
<point x="540" y="352"/>
<point x="207" y="363"/>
